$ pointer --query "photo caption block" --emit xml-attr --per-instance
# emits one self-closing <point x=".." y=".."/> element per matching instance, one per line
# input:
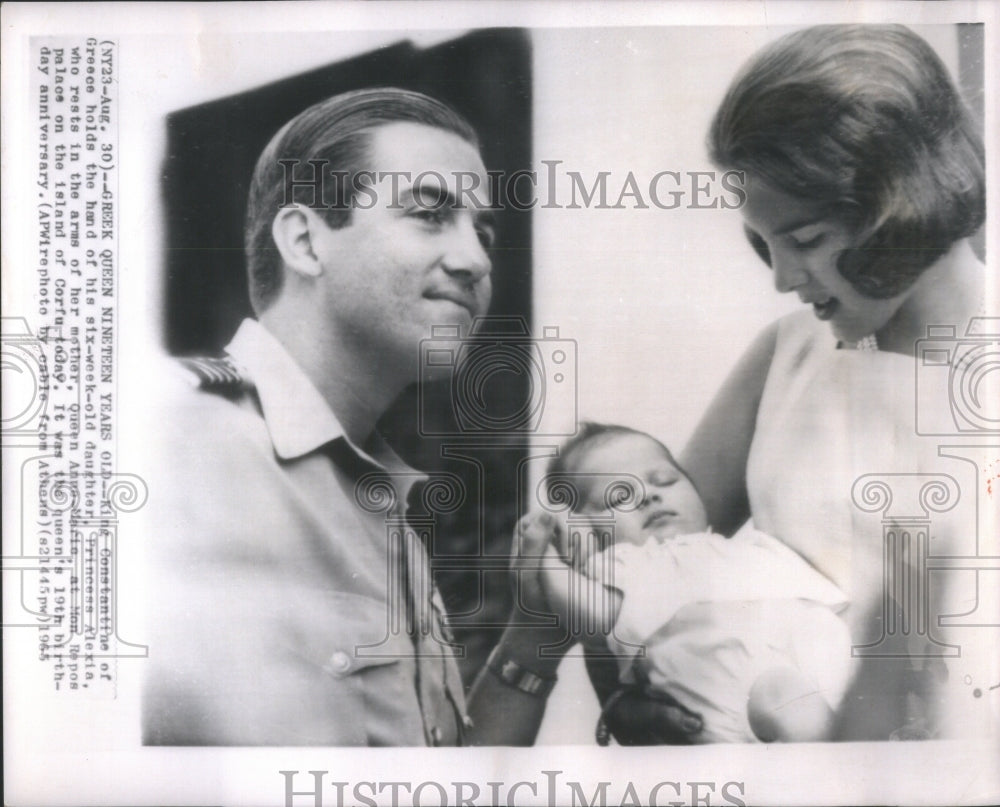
<point x="63" y="416"/>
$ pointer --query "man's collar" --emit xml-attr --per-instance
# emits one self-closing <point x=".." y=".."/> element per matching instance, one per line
<point x="297" y="416"/>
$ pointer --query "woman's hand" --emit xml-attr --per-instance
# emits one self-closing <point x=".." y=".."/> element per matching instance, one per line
<point x="640" y="715"/>
<point x="648" y="717"/>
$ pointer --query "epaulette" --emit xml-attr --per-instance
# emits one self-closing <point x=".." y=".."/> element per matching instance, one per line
<point x="217" y="375"/>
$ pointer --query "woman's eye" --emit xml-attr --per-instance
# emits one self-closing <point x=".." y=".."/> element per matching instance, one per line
<point x="809" y="243"/>
<point x="759" y="245"/>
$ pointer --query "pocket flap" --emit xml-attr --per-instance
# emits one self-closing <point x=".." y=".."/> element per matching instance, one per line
<point x="352" y="635"/>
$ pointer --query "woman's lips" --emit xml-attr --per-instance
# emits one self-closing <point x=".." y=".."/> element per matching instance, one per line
<point x="826" y="309"/>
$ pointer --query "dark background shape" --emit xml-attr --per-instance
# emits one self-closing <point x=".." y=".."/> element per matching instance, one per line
<point x="211" y="152"/>
<point x="971" y="74"/>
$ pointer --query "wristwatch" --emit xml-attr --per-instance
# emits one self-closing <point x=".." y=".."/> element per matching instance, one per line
<point x="518" y="677"/>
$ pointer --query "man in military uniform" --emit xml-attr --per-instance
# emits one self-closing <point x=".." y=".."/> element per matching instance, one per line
<point x="283" y="611"/>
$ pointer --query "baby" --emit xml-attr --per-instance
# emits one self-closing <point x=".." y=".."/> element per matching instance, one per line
<point x="741" y="630"/>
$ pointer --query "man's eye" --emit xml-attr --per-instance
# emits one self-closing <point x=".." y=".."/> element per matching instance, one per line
<point x="434" y="215"/>
<point x="486" y="237"/>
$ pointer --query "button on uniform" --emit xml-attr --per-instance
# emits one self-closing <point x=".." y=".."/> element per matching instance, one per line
<point x="340" y="663"/>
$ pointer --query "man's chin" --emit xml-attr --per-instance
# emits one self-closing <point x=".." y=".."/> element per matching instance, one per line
<point x="449" y="314"/>
<point x="442" y="345"/>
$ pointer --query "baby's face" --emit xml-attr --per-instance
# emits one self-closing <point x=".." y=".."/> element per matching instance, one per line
<point x="671" y="506"/>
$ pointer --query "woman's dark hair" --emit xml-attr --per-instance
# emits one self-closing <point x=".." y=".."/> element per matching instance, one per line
<point x="866" y="120"/>
<point x="335" y="135"/>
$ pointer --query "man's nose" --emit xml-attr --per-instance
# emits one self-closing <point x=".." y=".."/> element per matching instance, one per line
<point x="465" y="256"/>
<point x="788" y="272"/>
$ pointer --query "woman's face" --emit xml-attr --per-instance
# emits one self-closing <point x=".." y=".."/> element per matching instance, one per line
<point x="803" y="247"/>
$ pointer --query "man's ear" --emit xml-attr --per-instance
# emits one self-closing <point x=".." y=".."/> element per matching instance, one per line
<point x="294" y="229"/>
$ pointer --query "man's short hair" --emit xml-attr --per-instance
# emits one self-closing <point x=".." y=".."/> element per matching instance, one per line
<point x="335" y="133"/>
<point x="865" y="119"/>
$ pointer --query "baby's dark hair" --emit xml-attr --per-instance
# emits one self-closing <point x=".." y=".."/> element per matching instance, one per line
<point x="589" y="435"/>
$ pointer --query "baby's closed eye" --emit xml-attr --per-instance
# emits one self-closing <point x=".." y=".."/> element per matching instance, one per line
<point x="663" y="477"/>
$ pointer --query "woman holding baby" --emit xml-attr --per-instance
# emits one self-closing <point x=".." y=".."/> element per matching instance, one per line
<point x="864" y="179"/>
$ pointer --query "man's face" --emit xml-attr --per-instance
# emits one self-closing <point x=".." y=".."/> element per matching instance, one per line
<point x="403" y="263"/>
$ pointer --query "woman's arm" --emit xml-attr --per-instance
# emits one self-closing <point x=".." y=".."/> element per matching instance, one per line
<point x="716" y="456"/>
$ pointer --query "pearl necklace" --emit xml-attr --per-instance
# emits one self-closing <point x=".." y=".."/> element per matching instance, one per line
<point x="868" y="345"/>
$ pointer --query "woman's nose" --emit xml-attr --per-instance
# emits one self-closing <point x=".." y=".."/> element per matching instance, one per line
<point x="788" y="273"/>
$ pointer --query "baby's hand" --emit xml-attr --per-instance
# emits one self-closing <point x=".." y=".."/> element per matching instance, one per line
<point x="538" y="530"/>
<point x="541" y="528"/>
<point x="541" y="573"/>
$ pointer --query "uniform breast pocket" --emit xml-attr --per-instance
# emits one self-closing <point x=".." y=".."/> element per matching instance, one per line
<point x="360" y="667"/>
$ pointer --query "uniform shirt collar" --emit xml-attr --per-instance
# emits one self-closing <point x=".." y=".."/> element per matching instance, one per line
<point x="298" y="418"/>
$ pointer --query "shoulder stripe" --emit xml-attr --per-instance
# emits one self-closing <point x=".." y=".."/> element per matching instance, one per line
<point x="214" y="374"/>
